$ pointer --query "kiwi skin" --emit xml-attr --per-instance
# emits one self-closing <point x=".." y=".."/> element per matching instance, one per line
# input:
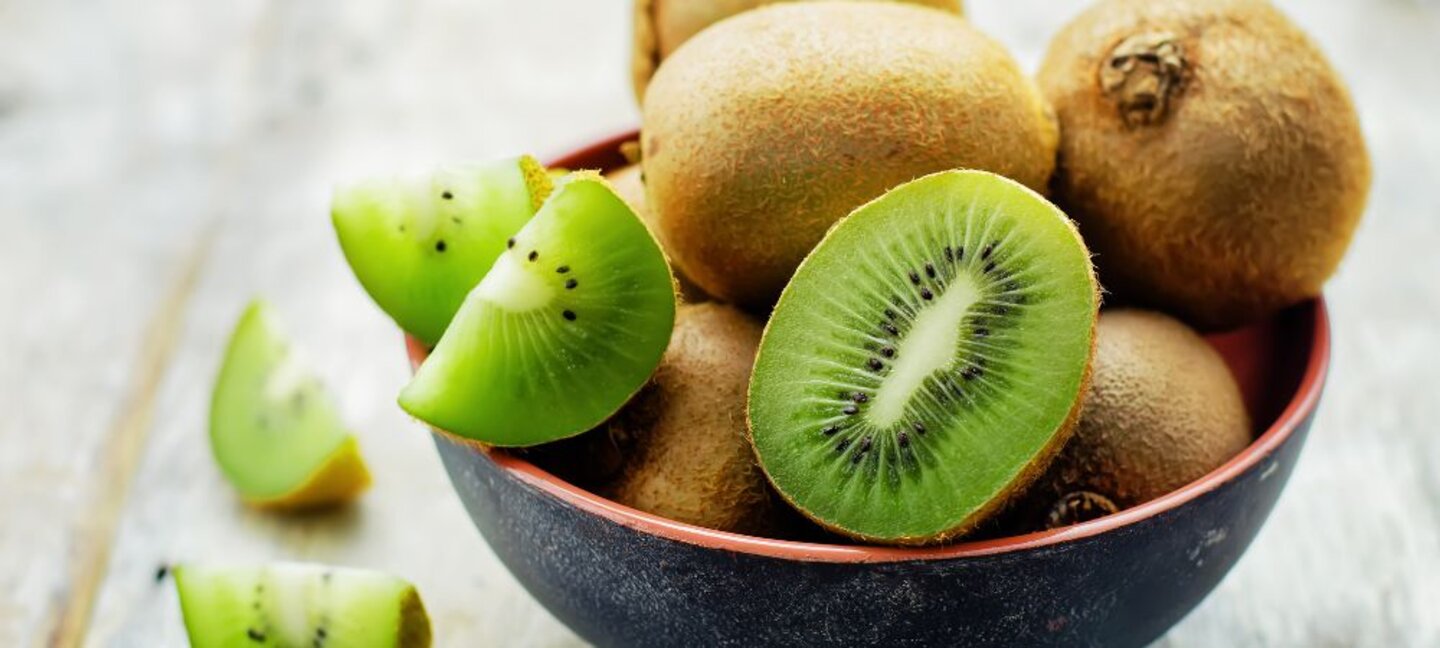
<point x="1162" y="411"/>
<point x="690" y="457"/>
<point x="765" y="129"/>
<point x="662" y="26"/>
<point x="1221" y="181"/>
<point x="629" y="183"/>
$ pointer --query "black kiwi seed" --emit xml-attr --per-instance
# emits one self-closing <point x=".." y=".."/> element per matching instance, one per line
<point x="510" y="243"/>
<point x="844" y="443"/>
<point x="888" y="352"/>
<point x="440" y="246"/>
<point x="569" y="314"/>
<point x="562" y="269"/>
<point x="918" y="427"/>
<point x="865" y="444"/>
<point x="533" y="255"/>
<point x="982" y="332"/>
<point x="875" y="364"/>
<point x="930" y="270"/>
<point x="960" y="253"/>
<point x="985" y="253"/>
<point x="830" y="431"/>
<point x="850" y="410"/>
<point x="447" y="195"/>
<point x="161" y="572"/>
<point x="950" y="254"/>
<point x="255" y="635"/>
<point x="861" y="397"/>
<point x="989" y="267"/>
<point x="926" y="295"/>
<point x="570" y="284"/>
<point x="903" y="439"/>
<point x="914" y="277"/>
<point x="889" y="314"/>
<point x="890" y="328"/>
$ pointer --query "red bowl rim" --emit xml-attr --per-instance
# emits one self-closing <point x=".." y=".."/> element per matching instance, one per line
<point x="1301" y="405"/>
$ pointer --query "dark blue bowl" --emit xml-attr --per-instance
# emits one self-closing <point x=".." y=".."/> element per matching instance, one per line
<point x="620" y="577"/>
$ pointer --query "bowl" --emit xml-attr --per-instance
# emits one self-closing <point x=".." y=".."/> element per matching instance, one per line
<point x="621" y="577"/>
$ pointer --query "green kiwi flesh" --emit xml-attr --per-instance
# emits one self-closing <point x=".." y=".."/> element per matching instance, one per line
<point x="272" y="426"/>
<point x="927" y="359"/>
<point x="568" y="325"/>
<point x="418" y="245"/>
<point x="292" y="605"/>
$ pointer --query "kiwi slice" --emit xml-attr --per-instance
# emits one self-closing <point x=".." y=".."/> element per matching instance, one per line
<point x="273" y="430"/>
<point x="926" y="360"/>
<point x="418" y="245"/>
<point x="292" y="605"/>
<point x="567" y="326"/>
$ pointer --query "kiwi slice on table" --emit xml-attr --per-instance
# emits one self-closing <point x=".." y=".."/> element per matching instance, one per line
<point x="273" y="430"/>
<point x="418" y="245"/>
<point x="567" y="326"/>
<point x="292" y="605"/>
<point x="927" y="359"/>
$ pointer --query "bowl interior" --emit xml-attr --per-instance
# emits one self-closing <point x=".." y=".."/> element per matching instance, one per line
<point x="1279" y="364"/>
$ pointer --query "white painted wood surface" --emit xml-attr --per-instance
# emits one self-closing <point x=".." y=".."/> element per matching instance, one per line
<point x="139" y="140"/>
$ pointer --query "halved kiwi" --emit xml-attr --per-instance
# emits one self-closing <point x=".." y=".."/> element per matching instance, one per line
<point x="567" y="326"/>
<point x="273" y="429"/>
<point x="294" y="605"/>
<point x="418" y="245"/>
<point x="926" y="360"/>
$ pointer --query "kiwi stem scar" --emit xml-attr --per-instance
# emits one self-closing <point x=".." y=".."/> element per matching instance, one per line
<point x="928" y="347"/>
<point x="513" y="287"/>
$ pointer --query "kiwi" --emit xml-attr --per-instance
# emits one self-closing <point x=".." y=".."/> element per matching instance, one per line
<point x="1162" y="411"/>
<point x="1213" y="159"/>
<point x="418" y="245"/>
<point x="661" y="26"/>
<point x="564" y="329"/>
<point x="692" y="460"/>
<point x="292" y="605"/>
<point x="273" y="430"/>
<point x="629" y="183"/>
<point x="927" y="359"/>
<point x="764" y="130"/>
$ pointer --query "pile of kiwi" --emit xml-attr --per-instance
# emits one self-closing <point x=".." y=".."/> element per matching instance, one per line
<point x="845" y="289"/>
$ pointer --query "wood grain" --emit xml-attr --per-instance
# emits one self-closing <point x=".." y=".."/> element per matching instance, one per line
<point x="123" y="130"/>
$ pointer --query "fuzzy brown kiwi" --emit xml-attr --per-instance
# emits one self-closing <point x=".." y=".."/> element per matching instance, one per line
<point x="1211" y="155"/>
<point x="661" y="26"/>
<point x="629" y="183"/>
<point x="690" y="457"/>
<point x="765" y="129"/>
<point x="1162" y="410"/>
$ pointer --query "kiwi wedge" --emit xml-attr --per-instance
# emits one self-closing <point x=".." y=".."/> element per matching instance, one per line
<point x="273" y="430"/>
<point x="567" y="326"/>
<point x="418" y="245"/>
<point x="927" y="359"/>
<point x="292" y="605"/>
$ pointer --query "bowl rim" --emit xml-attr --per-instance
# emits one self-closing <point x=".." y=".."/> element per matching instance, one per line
<point x="1301" y="406"/>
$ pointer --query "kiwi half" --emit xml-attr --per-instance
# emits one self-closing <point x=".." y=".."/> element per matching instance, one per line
<point x="291" y="605"/>
<point x="662" y="26"/>
<point x="563" y="330"/>
<point x="273" y="430"/>
<point x="926" y="360"/>
<point x="418" y="245"/>
<point x="1210" y="154"/>
<point x="768" y="127"/>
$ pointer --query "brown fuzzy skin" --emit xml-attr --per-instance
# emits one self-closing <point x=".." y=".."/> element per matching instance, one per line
<point x="1234" y="193"/>
<point x="691" y="459"/>
<point x="764" y="130"/>
<point x="1162" y="411"/>
<point x="661" y="26"/>
<point x="629" y="183"/>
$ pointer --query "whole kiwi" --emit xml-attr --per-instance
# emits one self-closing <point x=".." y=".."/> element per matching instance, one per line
<point x="768" y="127"/>
<point x="1210" y="154"/>
<point x="1162" y="410"/>
<point x="661" y="26"/>
<point x="690" y="458"/>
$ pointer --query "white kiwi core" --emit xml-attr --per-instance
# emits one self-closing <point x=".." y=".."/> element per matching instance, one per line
<point x="514" y="288"/>
<point x="930" y="346"/>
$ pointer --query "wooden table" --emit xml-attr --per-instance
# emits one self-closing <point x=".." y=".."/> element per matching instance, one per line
<point x="161" y="162"/>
